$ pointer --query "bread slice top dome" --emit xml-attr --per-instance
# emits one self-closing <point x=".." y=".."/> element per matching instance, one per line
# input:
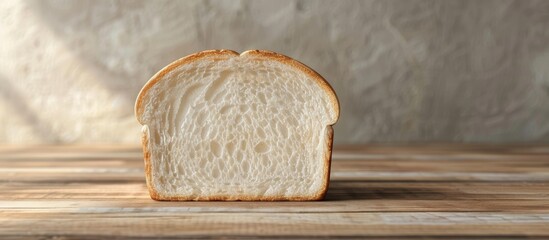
<point x="227" y="55"/>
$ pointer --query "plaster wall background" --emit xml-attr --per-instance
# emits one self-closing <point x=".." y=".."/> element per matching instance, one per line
<point x="404" y="71"/>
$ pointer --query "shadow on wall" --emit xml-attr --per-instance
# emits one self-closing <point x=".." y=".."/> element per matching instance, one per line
<point x="100" y="37"/>
<point x="20" y="110"/>
<point x="125" y="42"/>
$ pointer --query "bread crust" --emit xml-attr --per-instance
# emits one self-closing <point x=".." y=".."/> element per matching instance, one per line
<point x="222" y="55"/>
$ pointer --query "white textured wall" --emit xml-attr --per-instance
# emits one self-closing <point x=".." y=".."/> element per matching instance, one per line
<point x="404" y="70"/>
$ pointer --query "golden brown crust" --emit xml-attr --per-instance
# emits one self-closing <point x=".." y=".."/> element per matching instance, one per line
<point x="147" y="160"/>
<point x="327" y="163"/>
<point x="221" y="55"/>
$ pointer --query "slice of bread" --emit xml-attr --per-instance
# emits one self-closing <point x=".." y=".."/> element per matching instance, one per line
<point x="218" y="125"/>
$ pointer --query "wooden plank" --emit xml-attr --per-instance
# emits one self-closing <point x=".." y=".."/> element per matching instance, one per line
<point x="339" y="190"/>
<point x="262" y="224"/>
<point x="425" y="191"/>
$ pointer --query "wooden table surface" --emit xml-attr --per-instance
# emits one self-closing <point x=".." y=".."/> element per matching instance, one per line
<point x="404" y="192"/>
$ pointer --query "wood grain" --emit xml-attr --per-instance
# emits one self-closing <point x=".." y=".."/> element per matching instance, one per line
<point x="401" y="192"/>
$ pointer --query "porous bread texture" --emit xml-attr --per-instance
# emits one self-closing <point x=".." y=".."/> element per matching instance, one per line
<point x="222" y="126"/>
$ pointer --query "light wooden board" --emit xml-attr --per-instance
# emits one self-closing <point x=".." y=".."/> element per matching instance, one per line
<point x="403" y="192"/>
